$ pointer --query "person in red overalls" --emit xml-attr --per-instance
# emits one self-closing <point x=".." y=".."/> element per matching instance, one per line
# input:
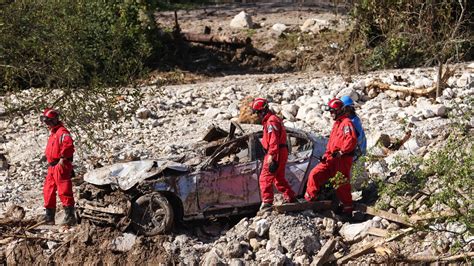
<point x="59" y="152"/>
<point x="274" y="162"/>
<point x="337" y="158"/>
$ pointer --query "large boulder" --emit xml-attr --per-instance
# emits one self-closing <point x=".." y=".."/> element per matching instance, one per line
<point x="295" y="233"/>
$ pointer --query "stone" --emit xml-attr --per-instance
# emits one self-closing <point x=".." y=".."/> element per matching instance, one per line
<point x="291" y="108"/>
<point x="212" y="112"/>
<point x="213" y="257"/>
<point x="279" y="28"/>
<point x="412" y="145"/>
<point x="465" y="80"/>
<point x="143" y="113"/>
<point x="438" y="109"/>
<point x="262" y="226"/>
<point x="351" y="232"/>
<point x="234" y="250"/>
<point x="378" y="168"/>
<point x="288" y="116"/>
<point x="242" y="21"/>
<point x="123" y="243"/>
<point x="295" y="234"/>
<point x="423" y="82"/>
<point x="254" y="244"/>
<point x="315" y="25"/>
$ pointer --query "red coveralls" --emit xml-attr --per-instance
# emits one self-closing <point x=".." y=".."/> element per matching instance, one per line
<point x="59" y="145"/>
<point x="343" y="138"/>
<point x="274" y="142"/>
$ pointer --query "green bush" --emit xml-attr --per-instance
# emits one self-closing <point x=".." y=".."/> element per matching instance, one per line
<point x="65" y="44"/>
<point x="405" y="33"/>
<point x="446" y="174"/>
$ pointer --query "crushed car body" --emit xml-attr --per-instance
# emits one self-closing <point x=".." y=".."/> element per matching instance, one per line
<point x="225" y="182"/>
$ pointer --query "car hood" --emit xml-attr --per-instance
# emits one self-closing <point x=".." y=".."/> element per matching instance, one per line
<point x="126" y="175"/>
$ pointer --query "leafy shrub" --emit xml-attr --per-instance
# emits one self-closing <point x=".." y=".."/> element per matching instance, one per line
<point x="409" y="32"/>
<point x="75" y="43"/>
<point x="448" y="171"/>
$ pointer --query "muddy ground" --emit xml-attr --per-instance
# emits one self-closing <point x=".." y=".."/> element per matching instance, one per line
<point x="270" y="51"/>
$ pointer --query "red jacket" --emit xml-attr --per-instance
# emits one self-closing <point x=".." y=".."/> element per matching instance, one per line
<point x="274" y="134"/>
<point x="343" y="137"/>
<point x="59" y="144"/>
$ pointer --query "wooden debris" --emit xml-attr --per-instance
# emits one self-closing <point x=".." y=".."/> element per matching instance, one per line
<point x="377" y="232"/>
<point x="215" y="39"/>
<point x="324" y="253"/>
<point x="316" y="206"/>
<point x="370" y="247"/>
<point x="33" y="237"/>
<point x="384" y="214"/>
<point x="432" y="215"/>
<point x="422" y="91"/>
<point x="466" y="256"/>
<point x="358" y="252"/>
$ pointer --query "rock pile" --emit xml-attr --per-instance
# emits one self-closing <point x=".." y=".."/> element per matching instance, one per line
<point x="172" y="118"/>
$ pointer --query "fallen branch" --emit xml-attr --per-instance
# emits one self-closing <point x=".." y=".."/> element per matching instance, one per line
<point x="368" y="248"/>
<point x="215" y="39"/>
<point x="421" y="91"/>
<point x="33" y="237"/>
<point x="384" y="214"/>
<point x="467" y="256"/>
<point x="324" y="253"/>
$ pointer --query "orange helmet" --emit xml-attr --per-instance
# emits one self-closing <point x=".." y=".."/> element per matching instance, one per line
<point x="259" y="105"/>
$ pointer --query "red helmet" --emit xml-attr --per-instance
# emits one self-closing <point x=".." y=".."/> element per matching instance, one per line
<point x="50" y="113"/>
<point x="259" y="105"/>
<point x="335" y="105"/>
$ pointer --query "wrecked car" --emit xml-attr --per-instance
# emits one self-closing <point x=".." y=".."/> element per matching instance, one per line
<point x="151" y="195"/>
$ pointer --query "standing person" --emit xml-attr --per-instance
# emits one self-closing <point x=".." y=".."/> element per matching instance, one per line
<point x="274" y="162"/>
<point x="361" y="148"/>
<point x="337" y="158"/>
<point x="59" y="152"/>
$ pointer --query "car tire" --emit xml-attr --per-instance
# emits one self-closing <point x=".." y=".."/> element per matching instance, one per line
<point x="152" y="214"/>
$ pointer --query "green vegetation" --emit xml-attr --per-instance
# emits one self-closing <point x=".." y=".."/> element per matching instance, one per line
<point x="64" y="44"/>
<point x="446" y="175"/>
<point x="411" y="33"/>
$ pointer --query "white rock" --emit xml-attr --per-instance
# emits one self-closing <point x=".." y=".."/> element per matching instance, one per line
<point x="242" y="21"/>
<point x="423" y="82"/>
<point x="291" y="108"/>
<point x="123" y="243"/>
<point x="262" y="226"/>
<point x="438" y="109"/>
<point x="212" y="112"/>
<point x="465" y="79"/>
<point x="303" y="112"/>
<point x="352" y="231"/>
<point x="279" y="28"/>
<point x="378" y="168"/>
<point x="315" y="25"/>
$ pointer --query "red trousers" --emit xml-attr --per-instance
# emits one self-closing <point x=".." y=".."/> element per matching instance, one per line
<point x="58" y="179"/>
<point x="267" y="179"/>
<point x="326" y="170"/>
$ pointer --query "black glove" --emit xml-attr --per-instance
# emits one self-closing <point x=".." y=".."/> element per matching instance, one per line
<point x="336" y="154"/>
<point x="273" y="166"/>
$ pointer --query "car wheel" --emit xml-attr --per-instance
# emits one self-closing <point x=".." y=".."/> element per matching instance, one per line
<point x="152" y="214"/>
